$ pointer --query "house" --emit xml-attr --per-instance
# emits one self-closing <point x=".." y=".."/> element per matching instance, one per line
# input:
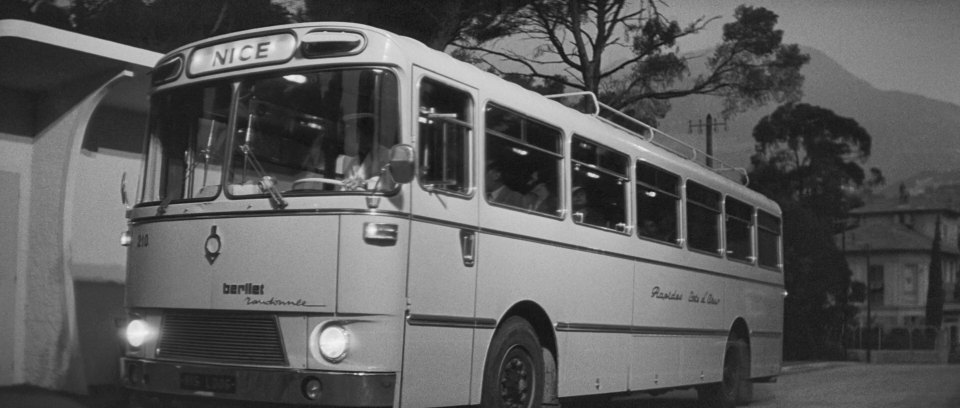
<point x="889" y="251"/>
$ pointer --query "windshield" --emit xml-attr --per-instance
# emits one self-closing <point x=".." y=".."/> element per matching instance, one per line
<point x="301" y="133"/>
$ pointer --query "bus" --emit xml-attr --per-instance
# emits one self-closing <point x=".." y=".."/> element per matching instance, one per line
<point x="333" y="215"/>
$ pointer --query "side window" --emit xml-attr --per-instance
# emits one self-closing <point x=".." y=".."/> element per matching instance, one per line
<point x="445" y="127"/>
<point x="600" y="185"/>
<point x="739" y="224"/>
<point x="658" y="203"/>
<point x="768" y="239"/>
<point x="523" y="162"/>
<point x="703" y="218"/>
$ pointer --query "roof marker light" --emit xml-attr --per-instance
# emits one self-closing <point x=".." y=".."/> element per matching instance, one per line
<point x="325" y="44"/>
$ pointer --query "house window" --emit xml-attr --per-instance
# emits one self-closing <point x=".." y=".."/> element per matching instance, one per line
<point x="875" y="285"/>
<point x="908" y="282"/>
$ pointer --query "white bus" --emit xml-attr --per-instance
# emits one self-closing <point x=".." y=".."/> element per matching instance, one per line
<point x="334" y="215"/>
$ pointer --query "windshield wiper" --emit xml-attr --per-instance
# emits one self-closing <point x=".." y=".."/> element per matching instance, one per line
<point x="267" y="184"/>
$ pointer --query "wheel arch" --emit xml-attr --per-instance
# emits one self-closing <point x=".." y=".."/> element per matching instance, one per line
<point x="739" y="330"/>
<point x="543" y="327"/>
<point x="538" y="318"/>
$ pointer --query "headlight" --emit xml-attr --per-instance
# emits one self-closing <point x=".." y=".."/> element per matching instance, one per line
<point x="334" y="341"/>
<point x="138" y="331"/>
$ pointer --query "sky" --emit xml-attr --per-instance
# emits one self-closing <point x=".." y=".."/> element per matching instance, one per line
<point x="903" y="45"/>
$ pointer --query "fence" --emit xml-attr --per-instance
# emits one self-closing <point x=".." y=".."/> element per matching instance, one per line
<point x="899" y="345"/>
<point x="893" y="338"/>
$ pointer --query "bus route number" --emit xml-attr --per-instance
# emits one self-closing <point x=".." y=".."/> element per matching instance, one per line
<point x="143" y="240"/>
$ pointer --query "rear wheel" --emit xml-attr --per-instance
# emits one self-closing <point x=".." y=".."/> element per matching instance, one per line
<point x="735" y="388"/>
<point x="513" y="375"/>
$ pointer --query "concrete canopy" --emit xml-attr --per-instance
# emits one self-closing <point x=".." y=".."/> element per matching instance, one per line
<point x="38" y="59"/>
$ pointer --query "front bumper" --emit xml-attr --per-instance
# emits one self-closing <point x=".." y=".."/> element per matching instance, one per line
<point x="284" y="386"/>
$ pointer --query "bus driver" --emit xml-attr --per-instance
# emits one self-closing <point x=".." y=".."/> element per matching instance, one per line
<point x="362" y="170"/>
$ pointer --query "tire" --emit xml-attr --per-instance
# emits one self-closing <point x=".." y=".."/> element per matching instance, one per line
<point x="513" y="375"/>
<point x="735" y="388"/>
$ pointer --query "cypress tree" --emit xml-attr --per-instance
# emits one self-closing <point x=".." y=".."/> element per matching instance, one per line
<point x="934" y="309"/>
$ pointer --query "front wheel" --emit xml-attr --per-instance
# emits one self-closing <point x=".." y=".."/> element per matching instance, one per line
<point x="513" y="375"/>
<point x="735" y="387"/>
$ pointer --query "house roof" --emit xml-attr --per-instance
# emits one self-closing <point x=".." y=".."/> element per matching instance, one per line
<point x="930" y="202"/>
<point x="890" y="237"/>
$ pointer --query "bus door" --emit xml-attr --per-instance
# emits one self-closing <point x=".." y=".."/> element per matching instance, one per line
<point x="443" y="242"/>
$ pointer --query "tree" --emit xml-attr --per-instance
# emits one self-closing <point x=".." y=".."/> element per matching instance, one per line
<point x="436" y="23"/>
<point x="37" y="11"/>
<point x="810" y="155"/>
<point x="808" y="160"/>
<point x="580" y="37"/>
<point x="162" y="25"/>
<point x="935" y="295"/>
<point x="818" y="281"/>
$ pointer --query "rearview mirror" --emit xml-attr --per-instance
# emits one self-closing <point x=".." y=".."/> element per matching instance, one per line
<point x="402" y="163"/>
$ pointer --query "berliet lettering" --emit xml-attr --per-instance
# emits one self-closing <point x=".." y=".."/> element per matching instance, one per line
<point x="243" y="289"/>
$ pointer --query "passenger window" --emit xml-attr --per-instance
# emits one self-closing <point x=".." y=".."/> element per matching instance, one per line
<point x="768" y="239"/>
<point x="445" y="126"/>
<point x="600" y="185"/>
<point x="703" y="218"/>
<point x="523" y="162"/>
<point x="658" y="203"/>
<point x="738" y="228"/>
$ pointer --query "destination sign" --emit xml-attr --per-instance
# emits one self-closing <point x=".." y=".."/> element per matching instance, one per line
<point x="271" y="49"/>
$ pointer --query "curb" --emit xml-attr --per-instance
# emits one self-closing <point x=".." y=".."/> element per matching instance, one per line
<point x="804" y="367"/>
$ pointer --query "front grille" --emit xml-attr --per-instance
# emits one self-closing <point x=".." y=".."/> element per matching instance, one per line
<point x="221" y="338"/>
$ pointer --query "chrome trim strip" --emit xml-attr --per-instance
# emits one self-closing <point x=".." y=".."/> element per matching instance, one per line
<point x="257" y="384"/>
<point x="638" y="330"/>
<point x="265" y="213"/>
<point x="451" y="321"/>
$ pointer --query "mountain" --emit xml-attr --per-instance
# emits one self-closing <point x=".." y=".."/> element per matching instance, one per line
<point x="910" y="133"/>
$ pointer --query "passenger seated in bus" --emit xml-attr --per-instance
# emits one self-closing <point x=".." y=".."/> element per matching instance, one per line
<point x="659" y="230"/>
<point x="497" y="190"/>
<point x="540" y="198"/>
<point x="583" y="211"/>
<point x="362" y="170"/>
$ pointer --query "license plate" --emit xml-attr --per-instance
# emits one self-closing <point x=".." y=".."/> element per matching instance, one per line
<point x="204" y="382"/>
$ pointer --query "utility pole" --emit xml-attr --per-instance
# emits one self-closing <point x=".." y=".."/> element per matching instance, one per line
<point x="710" y="127"/>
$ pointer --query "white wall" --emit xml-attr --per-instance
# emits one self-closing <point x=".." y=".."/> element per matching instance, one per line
<point x="15" y="158"/>
<point x="99" y="214"/>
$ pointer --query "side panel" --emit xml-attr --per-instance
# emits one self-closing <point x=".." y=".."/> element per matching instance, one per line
<point x="441" y="286"/>
<point x="587" y="295"/>
<point x="761" y="306"/>
<point x="679" y="323"/>
<point x="370" y="294"/>
<point x="371" y="274"/>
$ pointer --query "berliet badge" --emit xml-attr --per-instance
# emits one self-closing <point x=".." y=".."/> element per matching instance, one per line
<point x="212" y="246"/>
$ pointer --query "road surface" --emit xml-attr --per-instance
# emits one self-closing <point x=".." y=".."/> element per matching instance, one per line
<point x="839" y="385"/>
